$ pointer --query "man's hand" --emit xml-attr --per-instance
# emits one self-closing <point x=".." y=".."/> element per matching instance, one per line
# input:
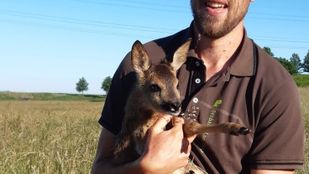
<point x="166" y="150"/>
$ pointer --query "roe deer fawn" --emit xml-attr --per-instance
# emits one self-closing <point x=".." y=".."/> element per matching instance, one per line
<point x="155" y="93"/>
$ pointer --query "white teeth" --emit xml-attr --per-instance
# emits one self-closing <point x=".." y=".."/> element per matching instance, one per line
<point x="215" y="5"/>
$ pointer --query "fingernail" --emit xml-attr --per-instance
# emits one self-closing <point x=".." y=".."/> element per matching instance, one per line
<point x="177" y="120"/>
<point x="167" y="118"/>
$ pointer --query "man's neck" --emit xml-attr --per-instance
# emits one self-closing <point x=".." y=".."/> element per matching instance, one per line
<point x="216" y="52"/>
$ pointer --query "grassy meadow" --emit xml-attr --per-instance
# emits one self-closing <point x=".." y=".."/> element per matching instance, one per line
<point x="51" y="137"/>
<point x="304" y="97"/>
<point x="60" y="136"/>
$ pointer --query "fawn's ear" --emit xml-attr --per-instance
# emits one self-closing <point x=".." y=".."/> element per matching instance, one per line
<point x="180" y="56"/>
<point x="139" y="58"/>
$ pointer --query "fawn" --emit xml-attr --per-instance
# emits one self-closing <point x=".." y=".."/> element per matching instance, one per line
<point x="155" y="93"/>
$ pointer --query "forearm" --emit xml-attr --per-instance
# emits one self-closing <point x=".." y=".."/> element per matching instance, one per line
<point x="105" y="166"/>
<point x="165" y="152"/>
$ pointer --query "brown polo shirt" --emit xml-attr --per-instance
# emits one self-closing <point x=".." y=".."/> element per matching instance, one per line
<point x="252" y="89"/>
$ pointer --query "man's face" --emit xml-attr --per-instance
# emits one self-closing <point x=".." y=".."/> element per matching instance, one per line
<point x="216" y="18"/>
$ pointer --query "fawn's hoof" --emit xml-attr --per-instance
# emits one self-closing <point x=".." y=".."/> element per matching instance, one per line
<point x="237" y="129"/>
<point x="243" y="131"/>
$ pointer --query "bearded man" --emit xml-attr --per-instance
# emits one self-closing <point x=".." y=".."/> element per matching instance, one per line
<point x="226" y="77"/>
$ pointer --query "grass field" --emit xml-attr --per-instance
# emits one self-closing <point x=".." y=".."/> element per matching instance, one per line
<point x="55" y="137"/>
<point x="51" y="137"/>
<point x="49" y="97"/>
<point x="304" y="97"/>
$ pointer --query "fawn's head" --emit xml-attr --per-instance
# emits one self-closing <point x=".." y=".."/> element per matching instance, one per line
<point x="158" y="83"/>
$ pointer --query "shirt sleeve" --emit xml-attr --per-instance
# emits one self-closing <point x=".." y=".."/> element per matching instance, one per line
<point x="113" y="109"/>
<point x="279" y="136"/>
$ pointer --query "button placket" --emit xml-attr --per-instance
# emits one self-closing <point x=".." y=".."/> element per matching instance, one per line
<point x="196" y="81"/>
<point x="192" y="112"/>
<point x="198" y="75"/>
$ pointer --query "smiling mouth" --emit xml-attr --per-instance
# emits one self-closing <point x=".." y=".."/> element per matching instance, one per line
<point x="215" y="5"/>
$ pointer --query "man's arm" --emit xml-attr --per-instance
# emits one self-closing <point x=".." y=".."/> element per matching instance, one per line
<point x="272" y="172"/>
<point x="161" y="146"/>
<point x="102" y="162"/>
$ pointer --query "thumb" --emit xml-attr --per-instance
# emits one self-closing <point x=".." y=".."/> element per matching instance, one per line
<point x="160" y="123"/>
<point x="177" y="126"/>
<point x="177" y="122"/>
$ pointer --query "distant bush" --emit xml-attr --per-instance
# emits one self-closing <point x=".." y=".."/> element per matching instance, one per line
<point x="301" y="80"/>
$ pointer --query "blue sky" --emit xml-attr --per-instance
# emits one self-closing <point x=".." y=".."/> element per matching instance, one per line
<point x="47" y="45"/>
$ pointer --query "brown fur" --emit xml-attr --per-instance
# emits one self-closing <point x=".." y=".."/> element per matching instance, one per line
<point x="155" y="94"/>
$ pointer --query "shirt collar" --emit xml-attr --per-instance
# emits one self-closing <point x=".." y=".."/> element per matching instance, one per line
<point x="244" y="63"/>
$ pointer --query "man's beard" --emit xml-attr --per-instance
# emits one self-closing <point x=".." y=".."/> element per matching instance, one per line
<point x="210" y="27"/>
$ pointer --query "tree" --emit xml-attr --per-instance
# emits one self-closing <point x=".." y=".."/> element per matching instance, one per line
<point x="106" y="84"/>
<point x="268" y="51"/>
<point x="295" y="60"/>
<point x="287" y="65"/>
<point x="306" y="63"/>
<point x="82" y="85"/>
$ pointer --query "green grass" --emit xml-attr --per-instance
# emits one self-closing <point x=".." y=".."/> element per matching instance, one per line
<point x="304" y="96"/>
<point x="50" y="96"/>
<point x="50" y="137"/>
<point x="301" y="80"/>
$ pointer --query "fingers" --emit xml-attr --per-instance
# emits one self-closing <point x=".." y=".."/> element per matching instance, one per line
<point x="172" y="141"/>
<point x="186" y="146"/>
<point x="163" y="120"/>
<point x="186" y="143"/>
<point x="161" y="123"/>
<point x="191" y="138"/>
<point x="177" y="129"/>
<point x="177" y="121"/>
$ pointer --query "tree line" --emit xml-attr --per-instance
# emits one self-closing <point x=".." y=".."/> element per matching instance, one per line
<point x="82" y="84"/>
<point x="294" y="65"/>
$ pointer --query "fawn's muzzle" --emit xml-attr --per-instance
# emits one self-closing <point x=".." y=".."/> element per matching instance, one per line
<point x="171" y="107"/>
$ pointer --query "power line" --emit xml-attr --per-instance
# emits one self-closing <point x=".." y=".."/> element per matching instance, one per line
<point x="144" y="6"/>
<point x="85" y="22"/>
<point x="280" y="39"/>
<point x="278" y="18"/>
<point x="81" y="30"/>
<point x="279" y="15"/>
<point x="141" y="3"/>
<point x="182" y="9"/>
<point x="103" y="25"/>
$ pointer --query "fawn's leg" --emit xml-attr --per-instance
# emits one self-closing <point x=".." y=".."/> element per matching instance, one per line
<point x="192" y="127"/>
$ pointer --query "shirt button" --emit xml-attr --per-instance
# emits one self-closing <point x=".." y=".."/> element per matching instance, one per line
<point x="197" y="81"/>
<point x="197" y="63"/>
<point x="195" y="100"/>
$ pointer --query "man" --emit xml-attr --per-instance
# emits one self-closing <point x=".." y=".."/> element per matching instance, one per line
<point x="226" y="78"/>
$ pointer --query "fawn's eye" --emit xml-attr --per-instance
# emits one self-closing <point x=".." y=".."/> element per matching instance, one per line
<point x="155" y="88"/>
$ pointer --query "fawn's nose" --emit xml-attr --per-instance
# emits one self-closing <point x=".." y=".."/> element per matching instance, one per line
<point x="172" y="107"/>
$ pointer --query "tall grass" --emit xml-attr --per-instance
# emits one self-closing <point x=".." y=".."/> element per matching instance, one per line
<point x="302" y="80"/>
<point x="48" y="137"/>
<point x="304" y="97"/>
<point x="50" y="96"/>
<point x="55" y="137"/>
